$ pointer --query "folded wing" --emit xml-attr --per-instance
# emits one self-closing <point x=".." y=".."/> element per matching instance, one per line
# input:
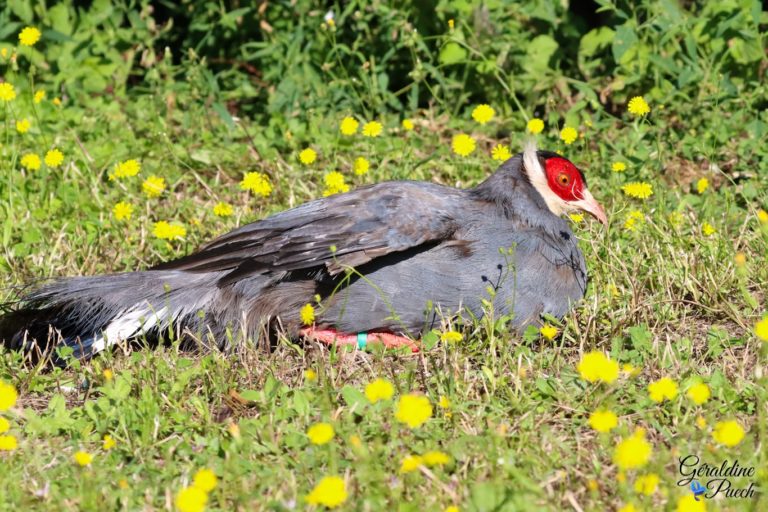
<point x="337" y="231"/>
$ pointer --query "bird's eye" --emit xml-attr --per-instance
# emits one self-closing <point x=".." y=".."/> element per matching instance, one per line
<point x="563" y="179"/>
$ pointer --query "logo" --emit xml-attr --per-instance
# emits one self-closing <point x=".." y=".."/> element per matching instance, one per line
<point x="730" y="479"/>
<point x="697" y="489"/>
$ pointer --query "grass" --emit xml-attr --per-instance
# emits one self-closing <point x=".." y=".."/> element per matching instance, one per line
<point x="664" y="297"/>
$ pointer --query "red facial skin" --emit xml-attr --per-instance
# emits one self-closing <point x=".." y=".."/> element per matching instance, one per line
<point x="564" y="179"/>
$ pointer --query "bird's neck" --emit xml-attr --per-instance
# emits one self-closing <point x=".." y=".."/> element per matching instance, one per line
<point x="511" y="190"/>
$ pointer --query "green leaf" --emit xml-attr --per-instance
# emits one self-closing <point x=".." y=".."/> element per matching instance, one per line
<point x="623" y="40"/>
<point x="641" y="337"/>
<point x="354" y="398"/>
<point x="452" y="53"/>
<point x="540" y="51"/>
<point x="595" y="40"/>
<point x="223" y="113"/>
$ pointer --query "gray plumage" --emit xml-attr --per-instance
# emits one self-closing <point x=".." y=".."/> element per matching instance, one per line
<point x="377" y="256"/>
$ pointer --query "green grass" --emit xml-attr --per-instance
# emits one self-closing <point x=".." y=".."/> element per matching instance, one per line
<point x="663" y="297"/>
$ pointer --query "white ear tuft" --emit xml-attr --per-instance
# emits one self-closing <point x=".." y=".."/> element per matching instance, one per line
<point x="532" y="163"/>
<point x="538" y="178"/>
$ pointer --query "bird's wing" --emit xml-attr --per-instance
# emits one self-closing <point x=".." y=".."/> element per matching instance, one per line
<point x="337" y="231"/>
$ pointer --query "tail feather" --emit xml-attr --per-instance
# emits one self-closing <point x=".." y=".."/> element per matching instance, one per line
<point x="91" y="313"/>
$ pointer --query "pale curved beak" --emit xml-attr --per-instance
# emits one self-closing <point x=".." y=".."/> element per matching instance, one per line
<point x="590" y="205"/>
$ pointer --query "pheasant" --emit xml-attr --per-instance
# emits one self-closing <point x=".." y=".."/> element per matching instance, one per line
<point x="387" y="262"/>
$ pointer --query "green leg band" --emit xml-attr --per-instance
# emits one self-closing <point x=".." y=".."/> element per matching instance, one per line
<point x="362" y="340"/>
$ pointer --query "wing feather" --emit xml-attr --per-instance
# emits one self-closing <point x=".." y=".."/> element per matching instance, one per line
<point x="361" y="225"/>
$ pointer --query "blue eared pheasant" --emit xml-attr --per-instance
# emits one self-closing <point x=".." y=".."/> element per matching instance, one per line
<point x="387" y="260"/>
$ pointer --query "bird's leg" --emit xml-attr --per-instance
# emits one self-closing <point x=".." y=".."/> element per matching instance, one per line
<point x="359" y="340"/>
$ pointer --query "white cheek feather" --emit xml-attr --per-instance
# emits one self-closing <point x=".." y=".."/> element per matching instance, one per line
<point x="539" y="181"/>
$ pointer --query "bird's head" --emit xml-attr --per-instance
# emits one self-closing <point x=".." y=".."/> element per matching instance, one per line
<point x="561" y="184"/>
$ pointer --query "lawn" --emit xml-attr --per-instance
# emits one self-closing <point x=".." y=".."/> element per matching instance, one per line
<point x="133" y="133"/>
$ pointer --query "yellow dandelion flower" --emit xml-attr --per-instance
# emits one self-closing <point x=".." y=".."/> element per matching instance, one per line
<point x="676" y="218"/>
<point x="23" y="125"/>
<point x="29" y="36"/>
<point x="463" y="144"/>
<point x="569" y="134"/>
<point x="310" y="375"/>
<point x="205" y="480"/>
<point x="762" y="216"/>
<point x="662" y="389"/>
<point x="451" y="337"/>
<point x="407" y="125"/>
<point x="689" y="503"/>
<point x="308" y="156"/>
<point x="596" y="366"/>
<point x="436" y="458"/>
<point x="165" y="231"/>
<point x="108" y="442"/>
<point x="618" y="167"/>
<point x="761" y="329"/>
<point x="348" y="126"/>
<point x="483" y="113"/>
<point x="501" y="153"/>
<point x="451" y="508"/>
<point x="330" y="492"/>
<point x="444" y="403"/>
<point x="53" y="158"/>
<point x="451" y="24"/>
<point x="361" y="166"/>
<point x="5" y="425"/>
<point x="411" y="463"/>
<point x="701" y="422"/>
<point x="334" y="183"/>
<point x="708" y="229"/>
<point x="632" y="452"/>
<point x="8" y="396"/>
<point x="83" y="458"/>
<point x="31" y="161"/>
<point x="223" y="209"/>
<point x="535" y="126"/>
<point x="127" y="169"/>
<point x="630" y="370"/>
<point x="647" y="484"/>
<point x="39" y="96"/>
<point x="7" y="92"/>
<point x="307" y="314"/>
<point x="699" y="393"/>
<point x="548" y="331"/>
<point x="740" y="259"/>
<point x="634" y="218"/>
<point x="379" y="389"/>
<point x="320" y="433"/>
<point x="108" y="374"/>
<point x="638" y="189"/>
<point x="576" y="217"/>
<point x="57" y="102"/>
<point x="153" y="186"/>
<point x="372" y="129"/>
<point x="728" y="433"/>
<point x="702" y="185"/>
<point x="637" y="106"/>
<point x="191" y="499"/>
<point x="8" y="443"/>
<point x="413" y="410"/>
<point x="603" y="421"/>
<point x="257" y="183"/>
<point x="593" y="485"/>
<point x="122" y="210"/>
